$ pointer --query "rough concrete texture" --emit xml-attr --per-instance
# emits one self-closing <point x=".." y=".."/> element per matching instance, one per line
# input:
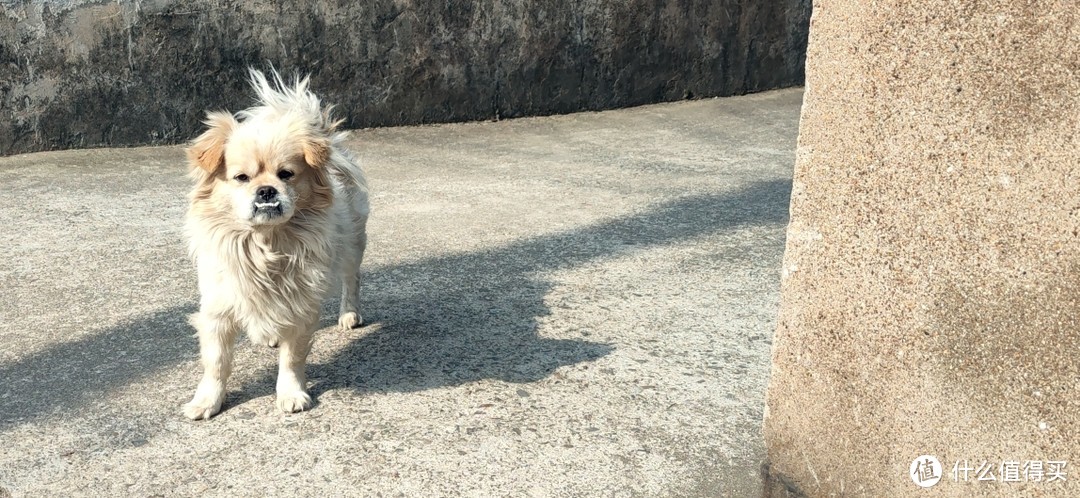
<point x="572" y="305"/>
<point x="931" y="290"/>
<point x="83" y="73"/>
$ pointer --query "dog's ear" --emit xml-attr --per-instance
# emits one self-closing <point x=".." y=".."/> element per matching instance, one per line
<point x="317" y="151"/>
<point x="208" y="150"/>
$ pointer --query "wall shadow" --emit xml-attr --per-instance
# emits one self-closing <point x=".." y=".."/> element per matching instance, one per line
<point x="440" y="321"/>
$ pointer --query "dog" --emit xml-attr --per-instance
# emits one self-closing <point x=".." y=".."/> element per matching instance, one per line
<point x="277" y="215"/>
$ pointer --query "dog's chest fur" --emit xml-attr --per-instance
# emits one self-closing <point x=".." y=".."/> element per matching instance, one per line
<point x="268" y="282"/>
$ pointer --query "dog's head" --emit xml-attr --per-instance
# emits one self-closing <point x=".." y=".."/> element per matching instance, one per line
<point x="269" y="164"/>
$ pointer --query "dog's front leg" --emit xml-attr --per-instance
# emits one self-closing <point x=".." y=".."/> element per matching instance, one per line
<point x="292" y="393"/>
<point x="217" y="336"/>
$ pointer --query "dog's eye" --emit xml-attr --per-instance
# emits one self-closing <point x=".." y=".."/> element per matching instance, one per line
<point x="242" y="178"/>
<point x="285" y="174"/>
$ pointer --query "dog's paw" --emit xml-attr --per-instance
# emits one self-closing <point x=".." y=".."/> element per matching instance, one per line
<point x="292" y="402"/>
<point x="203" y="407"/>
<point x="350" y="320"/>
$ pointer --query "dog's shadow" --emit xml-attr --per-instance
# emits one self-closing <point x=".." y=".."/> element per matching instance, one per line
<point x="436" y="322"/>
<point x="462" y="318"/>
<point x="442" y="322"/>
<point x="452" y="320"/>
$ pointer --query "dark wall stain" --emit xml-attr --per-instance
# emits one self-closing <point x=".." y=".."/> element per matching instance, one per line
<point x="109" y="74"/>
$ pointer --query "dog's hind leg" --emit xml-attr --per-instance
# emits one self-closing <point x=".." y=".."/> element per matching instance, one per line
<point x="292" y="393"/>
<point x="217" y="336"/>
<point x="349" y="315"/>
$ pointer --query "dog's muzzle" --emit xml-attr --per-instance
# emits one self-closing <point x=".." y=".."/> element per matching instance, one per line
<point x="269" y="209"/>
<point x="266" y="202"/>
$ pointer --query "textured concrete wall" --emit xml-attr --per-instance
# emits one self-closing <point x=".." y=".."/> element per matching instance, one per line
<point x="77" y="73"/>
<point x="931" y="288"/>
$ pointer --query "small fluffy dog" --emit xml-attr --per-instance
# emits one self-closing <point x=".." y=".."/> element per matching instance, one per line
<point x="277" y="215"/>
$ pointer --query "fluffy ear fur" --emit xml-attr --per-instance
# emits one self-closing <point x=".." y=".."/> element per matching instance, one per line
<point x="316" y="151"/>
<point x="208" y="150"/>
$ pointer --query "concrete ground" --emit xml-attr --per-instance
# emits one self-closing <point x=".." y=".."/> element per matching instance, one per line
<point x="576" y="305"/>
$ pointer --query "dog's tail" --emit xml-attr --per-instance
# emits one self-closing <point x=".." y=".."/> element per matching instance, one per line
<point x="343" y="165"/>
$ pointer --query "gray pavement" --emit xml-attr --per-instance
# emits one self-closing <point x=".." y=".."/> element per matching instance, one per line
<point x="575" y="305"/>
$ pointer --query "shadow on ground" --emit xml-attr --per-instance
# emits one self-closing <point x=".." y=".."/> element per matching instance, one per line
<point x="440" y="321"/>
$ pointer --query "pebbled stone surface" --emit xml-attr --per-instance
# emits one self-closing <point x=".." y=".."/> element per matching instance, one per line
<point x="931" y="285"/>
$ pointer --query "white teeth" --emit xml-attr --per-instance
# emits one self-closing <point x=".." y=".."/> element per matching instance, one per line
<point x="262" y="205"/>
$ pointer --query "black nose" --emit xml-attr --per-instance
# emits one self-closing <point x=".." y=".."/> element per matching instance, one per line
<point x="266" y="193"/>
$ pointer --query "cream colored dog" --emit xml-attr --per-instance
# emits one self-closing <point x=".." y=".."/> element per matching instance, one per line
<point x="277" y="215"/>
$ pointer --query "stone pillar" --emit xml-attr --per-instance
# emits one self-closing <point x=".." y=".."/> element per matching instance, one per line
<point x="931" y="281"/>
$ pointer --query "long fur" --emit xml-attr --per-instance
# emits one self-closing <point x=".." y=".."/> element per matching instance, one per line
<point x="269" y="279"/>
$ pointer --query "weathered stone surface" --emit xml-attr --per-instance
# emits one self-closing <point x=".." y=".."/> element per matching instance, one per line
<point x="931" y="288"/>
<point x="77" y="73"/>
